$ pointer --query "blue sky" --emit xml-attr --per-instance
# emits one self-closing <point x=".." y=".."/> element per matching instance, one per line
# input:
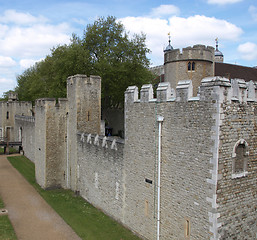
<point x="30" y="28"/>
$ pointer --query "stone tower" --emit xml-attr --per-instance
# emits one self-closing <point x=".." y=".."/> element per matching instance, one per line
<point x="84" y="115"/>
<point x="194" y="63"/>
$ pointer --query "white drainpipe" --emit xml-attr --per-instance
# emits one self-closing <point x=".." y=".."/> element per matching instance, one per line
<point x="67" y="157"/>
<point x="160" y="120"/>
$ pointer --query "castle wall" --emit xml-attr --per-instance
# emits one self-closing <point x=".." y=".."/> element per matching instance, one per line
<point x="236" y="192"/>
<point x="8" y="111"/>
<point x="187" y="140"/>
<point x="25" y="125"/>
<point x="202" y="196"/>
<point x="51" y="142"/>
<point x="100" y="172"/>
<point x="84" y="114"/>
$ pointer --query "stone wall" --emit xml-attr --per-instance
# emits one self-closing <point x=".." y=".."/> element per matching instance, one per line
<point x="8" y="110"/>
<point x="84" y="114"/>
<point x="236" y="191"/>
<point x="26" y="126"/>
<point x="202" y="193"/>
<point x="101" y="172"/>
<point x="51" y="142"/>
<point x="187" y="140"/>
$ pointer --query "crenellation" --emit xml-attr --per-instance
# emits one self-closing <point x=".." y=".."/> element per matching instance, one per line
<point x="251" y="91"/>
<point x="146" y="93"/>
<point x="184" y="91"/>
<point x="131" y="94"/>
<point x="163" y="92"/>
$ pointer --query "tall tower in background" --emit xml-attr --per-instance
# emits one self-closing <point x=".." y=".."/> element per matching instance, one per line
<point x="194" y="63"/>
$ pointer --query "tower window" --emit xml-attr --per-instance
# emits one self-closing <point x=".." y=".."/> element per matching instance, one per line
<point x="240" y="159"/>
<point x="7" y="115"/>
<point x="191" y="66"/>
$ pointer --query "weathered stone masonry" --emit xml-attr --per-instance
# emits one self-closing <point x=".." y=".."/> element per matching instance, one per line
<point x="208" y="156"/>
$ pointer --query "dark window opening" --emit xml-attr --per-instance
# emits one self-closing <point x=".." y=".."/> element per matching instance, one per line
<point x="193" y="66"/>
<point x="189" y="66"/>
<point x="240" y="158"/>
<point x="7" y="115"/>
<point x="148" y="181"/>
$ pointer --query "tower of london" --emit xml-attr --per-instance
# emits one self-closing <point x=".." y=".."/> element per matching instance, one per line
<point x="187" y="165"/>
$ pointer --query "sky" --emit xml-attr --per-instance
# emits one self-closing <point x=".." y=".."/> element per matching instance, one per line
<point x="30" y="28"/>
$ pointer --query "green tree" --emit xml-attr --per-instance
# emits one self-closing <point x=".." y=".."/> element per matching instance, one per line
<point x="119" y="60"/>
<point x="105" y="50"/>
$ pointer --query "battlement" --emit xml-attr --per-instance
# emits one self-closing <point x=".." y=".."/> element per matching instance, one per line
<point x="25" y="118"/>
<point x="42" y="102"/>
<point x="195" y="53"/>
<point x="73" y="80"/>
<point x="225" y="90"/>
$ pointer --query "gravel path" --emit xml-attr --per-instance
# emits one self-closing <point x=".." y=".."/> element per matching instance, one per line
<point x="31" y="217"/>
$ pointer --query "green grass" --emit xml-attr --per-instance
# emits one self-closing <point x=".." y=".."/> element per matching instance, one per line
<point x="6" y="228"/>
<point x="88" y="222"/>
<point x="11" y="150"/>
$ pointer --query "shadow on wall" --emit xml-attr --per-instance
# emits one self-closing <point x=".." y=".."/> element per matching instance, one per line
<point x="113" y="122"/>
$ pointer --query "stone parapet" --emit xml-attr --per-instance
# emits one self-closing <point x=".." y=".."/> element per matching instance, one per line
<point x="197" y="52"/>
<point x="223" y="89"/>
<point x="25" y="118"/>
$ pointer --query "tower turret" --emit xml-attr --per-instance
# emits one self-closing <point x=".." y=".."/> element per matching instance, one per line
<point x="218" y="54"/>
<point x="193" y="63"/>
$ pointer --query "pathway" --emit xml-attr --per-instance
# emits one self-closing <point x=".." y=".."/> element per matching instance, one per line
<point x="31" y="217"/>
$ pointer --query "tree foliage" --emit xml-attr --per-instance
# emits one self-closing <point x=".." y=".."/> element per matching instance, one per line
<point x="105" y="50"/>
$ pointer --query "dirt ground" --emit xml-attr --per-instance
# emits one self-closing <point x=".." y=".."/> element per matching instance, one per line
<point x="31" y="217"/>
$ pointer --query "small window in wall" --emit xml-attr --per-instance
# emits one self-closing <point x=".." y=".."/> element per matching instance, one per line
<point x="7" y="115"/>
<point x="240" y="159"/>
<point x="191" y="66"/>
<point x="88" y="116"/>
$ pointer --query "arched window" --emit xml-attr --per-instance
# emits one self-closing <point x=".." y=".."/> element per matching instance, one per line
<point x="240" y="159"/>
<point x="189" y="66"/>
<point x="193" y="66"/>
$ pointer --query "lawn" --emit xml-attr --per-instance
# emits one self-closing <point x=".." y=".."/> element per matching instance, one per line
<point x="88" y="222"/>
<point x="11" y="150"/>
<point x="6" y="229"/>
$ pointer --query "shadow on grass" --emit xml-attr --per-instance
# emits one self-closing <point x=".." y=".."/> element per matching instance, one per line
<point x="88" y="222"/>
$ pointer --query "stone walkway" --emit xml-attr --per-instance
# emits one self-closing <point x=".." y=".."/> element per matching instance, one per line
<point x="31" y="217"/>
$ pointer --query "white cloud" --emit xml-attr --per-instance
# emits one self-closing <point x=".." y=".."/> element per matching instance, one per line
<point x="165" y="10"/>
<point x="5" y="80"/>
<point x="223" y="2"/>
<point x="33" y="41"/>
<point x="253" y="11"/>
<point x="27" y="63"/>
<point x="19" y="18"/>
<point x="184" y="31"/>
<point x="248" y="51"/>
<point x="7" y="62"/>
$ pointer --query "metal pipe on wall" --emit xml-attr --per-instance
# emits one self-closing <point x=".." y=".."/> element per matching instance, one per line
<point x="159" y="120"/>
